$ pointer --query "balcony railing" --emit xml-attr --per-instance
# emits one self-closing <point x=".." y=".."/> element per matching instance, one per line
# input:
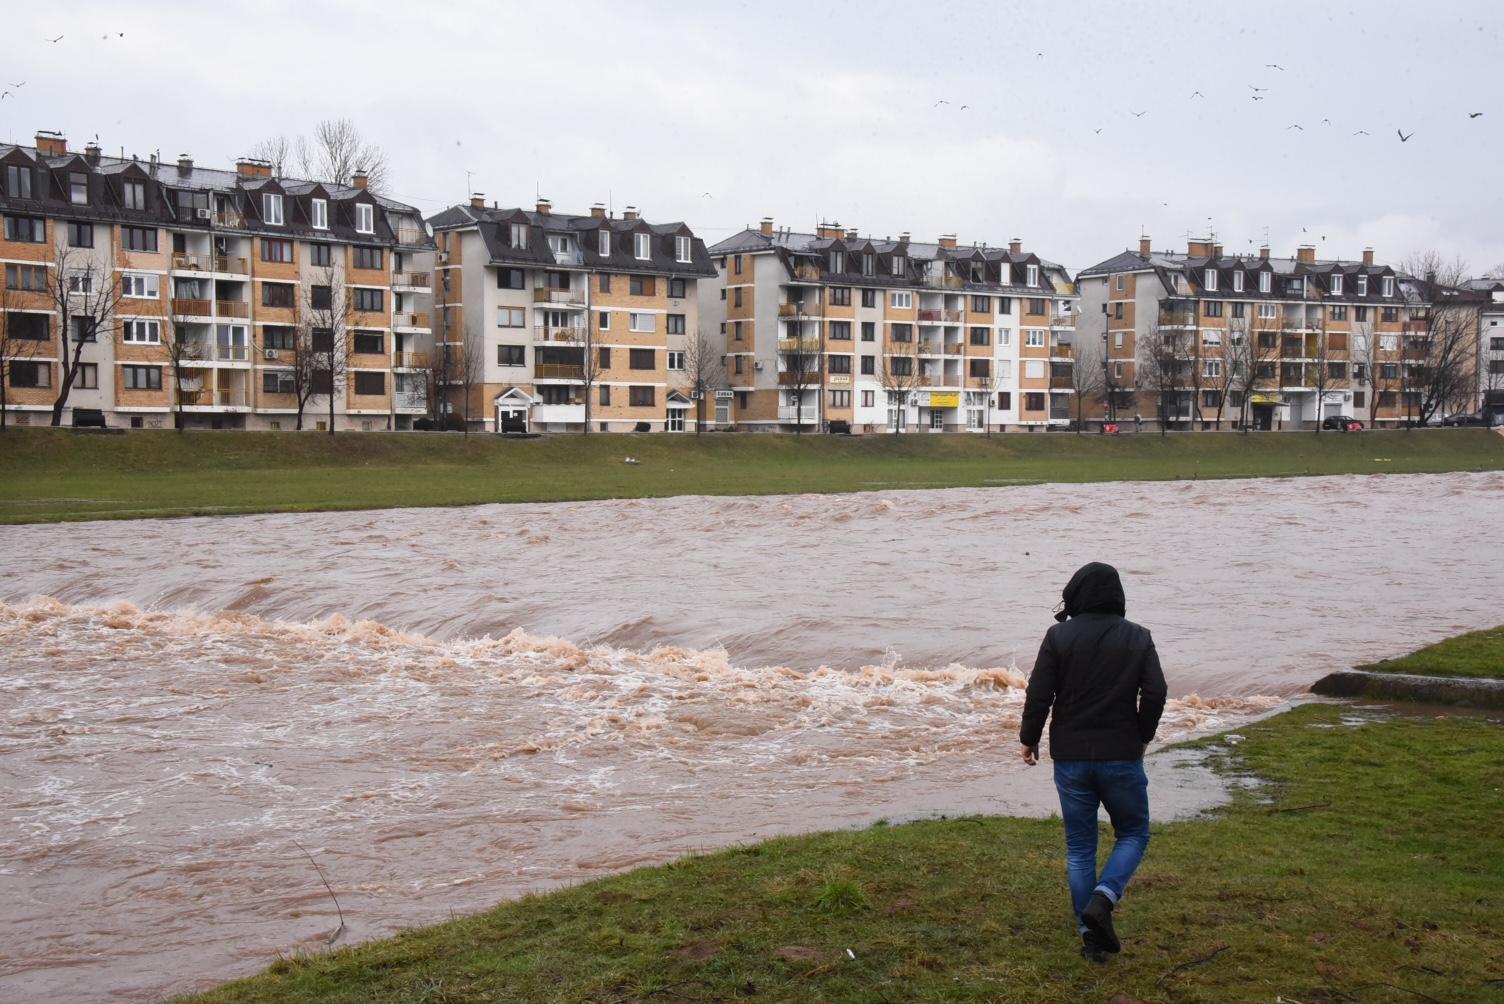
<point x="805" y="345"/>
<point x="410" y="360"/>
<point x="929" y="314"/>
<point x="558" y="371"/>
<point x="232" y="353"/>
<point x="807" y="273"/>
<point x="232" y="264"/>
<point x="1061" y="351"/>
<point x="808" y="415"/>
<point x="1061" y="383"/>
<point x="795" y="309"/>
<point x="412" y="399"/>
<point x="229" y="218"/>
<point x="410" y="319"/>
<point x="193" y="262"/>
<point x="417" y="280"/>
<point x="410" y="235"/>
<point x="954" y="348"/>
<point x="232" y="308"/>
<point x="192" y="308"/>
<point x="543" y="294"/>
<point x="1177" y="318"/>
<point x="544" y="333"/>
<point x="953" y="316"/>
<point x="809" y="378"/>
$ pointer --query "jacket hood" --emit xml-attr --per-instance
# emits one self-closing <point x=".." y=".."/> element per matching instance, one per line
<point x="1095" y="588"/>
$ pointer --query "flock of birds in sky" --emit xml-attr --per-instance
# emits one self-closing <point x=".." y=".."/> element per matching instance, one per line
<point x="16" y="87"/>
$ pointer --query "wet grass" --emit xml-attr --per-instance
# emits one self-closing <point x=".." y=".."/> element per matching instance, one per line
<point x="1364" y="868"/>
<point x="1476" y="654"/>
<point x="52" y="475"/>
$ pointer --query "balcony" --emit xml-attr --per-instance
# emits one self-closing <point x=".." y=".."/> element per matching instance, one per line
<point x="810" y="377"/>
<point x="806" y="273"/>
<point x="804" y="345"/>
<point x="1415" y="327"/>
<point x="410" y="280"/>
<point x="410" y="360"/>
<point x="558" y="371"/>
<point x="795" y="309"/>
<point x="1061" y="351"/>
<point x="567" y="297"/>
<point x="929" y="315"/>
<point x="953" y="316"/>
<point x="954" y="348"/>
<point x="411" y="400"/>
<point x="1177" y="318"/>
<point x="573" y="334"/>
<point x="232" y="264"/>
<point x="1061" y="383"/>
<point x="418" y="320"/>
<point x="411" y="235"/>
<point x="192" y="308"/>
<point x="232" y="308"/>
<point x="229" y="218"/>
<point x="944" y="281"/>
<point x="808" y="415"/>
<point x="187" y="262"/>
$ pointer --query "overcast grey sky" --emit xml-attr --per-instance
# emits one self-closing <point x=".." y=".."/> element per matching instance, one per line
<point x="719" y="114"/>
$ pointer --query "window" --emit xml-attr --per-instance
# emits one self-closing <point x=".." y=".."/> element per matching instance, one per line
<point x="511" y="355"/>
<point x="869" y="365"/>
<point x="1389" y="371"/>
<point x="867" y="398"/>
<point x="1033" y="275"/>
<point x="278" y="251"/>
<point x="511" y="317"/>
<point x="87" y="377"/>
<point x="370" y="301"/>
<point x="1362" y="285"/>
<point x="900" y="366"/>
<point x="320" y="297"/>
<point x="370" y="383"/>
<point x="840" y="399"/>
<point x="1239" y="310"/>
<point x="558" y="243"/>
<point x="676" y="361"/>
<point x="276" y="294"/>
<point x="676" y="289"/>
<point x="901" y="333"/>
<point x="840" y="331"/>
<point x="1338" y="312"/>
<point x="1265" y="281"/>
<point x="736" y="331"/>
<point x="1004" y="337"/>
<point x="682" y="249"/>
<point x="1336" y="285"/>
<point x="278" y="382"/>
<point x="603" y="320"/>
<point x="981" y="304"/>
<point x="1212" y="338"/>
<point x="141" y="332"/>
<point x="603" y="243"/>
<point x="33" y="277"/>
<point x="1267" y="311"/>
<point x="642" y="359"/>
<point x="271" y="208"/>
<point x="25" y="229"/>
<point x="641" y="397"/>
<point x="606" y="394"/>
<point x="737" y="264"/>
<point x="277" y="336"/>
<point x="368" y="258"/>
<point x="519" y="235"/>
<point x="1360" y="314"/>
<point x="1211" y="398"/>
<point x="1117" y="340"/>
<point x="24" y="374"/>
<point x="80" y="235"/>
<point x="981" y="336"/>
<point x="134" y="194"/>
<point x="78" y="188"/>
<point x="1036" y="308"/>
<point x="1336" y="371"/>
<point x="1034" y="402"/>
<point x="642" y="247"/>
<point x="980" y="368"/>
<point x="30" y="327"/>
<point x="140" y="285"/>
<point x="840" y="364"/>
<point x="900" y="264"/>
<point x="646" y="285"/>
<point x="370" y="343"/>
<point x="365" y="218"/>
<point x="869" y="331"/>
<point x="319" y="213"/>
<point x="321" y="340"/>
<point x="1211" y="308"/>
<point x="1237" y="281"/>
<point x="606" y="284"/>
<point x="18" y="181"/>
<point x="640" y="322"/>
<point x="1388" y="287"/>
<point x="141" y="377"/>
<point x="1005" y="305"/>
<point x="1209" y="277"/>
<point x="1212" y="368"/>
<point x="840" y="296"/>
<point x="675" y="324"/>
<point x="510" y="278"/>
<point x="838" y="261"/>
<point x="738" y="366"/>
<point x="605" y="357"/>
<point x="1034" y="338"/>
<point x="1360" y="399"/>
<point x="322" y="254"/>
<point x="869" y="263"/>
<point x="1389" y="313"/>
<point x="736" y="299"/>
<point x="869" y="297"/>
<point x="901" y="299"/>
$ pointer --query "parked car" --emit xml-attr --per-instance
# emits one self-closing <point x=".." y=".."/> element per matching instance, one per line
<point x="1456" y="420"/>
<point x="1342" y="423"/>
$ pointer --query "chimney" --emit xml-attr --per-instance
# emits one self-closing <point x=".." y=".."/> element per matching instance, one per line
<point x="851" y="233"/>
<point x="360" y="179"/>
<point x="1016" y="245"/>
<point x="1143" y="246"/>
<point x="948" y="241"/>
<point x="185" y="163"/>
<point x="1368" y="256"/>
<point x="250" y="167"/>
<point x="598" y="210"/>
<point x="51" y="144"/>
<point x="903" y="238"/>
<point x="1216" y="250"/>
<point x="1264" y="252"/>
<point x="544" y="206"/>
<point x="829" y="231"/>
<point x="1198" y="249"/>
<point x="91" y="154"/>
<point x="1306" y="253"/>
<point x="630" y="213"/>
<point x="767" y="226"/>
<point x="478" y="200"/>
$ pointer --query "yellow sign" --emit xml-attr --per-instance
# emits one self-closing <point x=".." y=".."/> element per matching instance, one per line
<point x="945" y="400"/>
<point x="1263" y="399"/>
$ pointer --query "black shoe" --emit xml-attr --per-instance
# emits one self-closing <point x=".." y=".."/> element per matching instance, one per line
<point x="1091" y="948"/>
<point x="1098" y="920"/>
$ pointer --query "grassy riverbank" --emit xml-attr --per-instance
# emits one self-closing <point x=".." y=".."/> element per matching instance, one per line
<point x="1364" y="868"/>
<point x="1478" y="654"/>
<point x="52" y="475"/>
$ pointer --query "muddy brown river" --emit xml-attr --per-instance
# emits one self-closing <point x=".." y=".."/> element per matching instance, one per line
<point x="449" y="707"/>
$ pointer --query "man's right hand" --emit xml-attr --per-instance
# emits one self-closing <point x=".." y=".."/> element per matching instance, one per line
<point x="1031" y="755"/>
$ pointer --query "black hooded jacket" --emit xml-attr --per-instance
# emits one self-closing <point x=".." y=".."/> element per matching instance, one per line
<point x="1099" y="674"/>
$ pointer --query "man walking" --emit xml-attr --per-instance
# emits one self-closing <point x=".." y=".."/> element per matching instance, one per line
<point x="1098" y="679"/>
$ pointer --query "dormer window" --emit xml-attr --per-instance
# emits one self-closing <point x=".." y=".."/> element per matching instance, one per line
<point x="519" y="234"/>
<point x="271" y="209"/>
<point x="1210" y="277"/>
<point x="1362" y="285"/>
<point x="365" y="218"/>
<point x="1032" y="275"/>
<point x="869" y="263"/>
<point x="603" y="243"/>
<point x="682" y="249"/>
<point x="1265" y="281"/>
<point x="1237" y="281"/>
<point x="642" y="247"/>
<point x="135" y="195"/>
<point x="838" y="261"/>
<point x="18" y="181"/>
<point x="1336" y="285"/>
<point x="899" y="264"/>
<point x="78" y="188"/>
<point x="1388" y="285"/>
<point x="319" y="212"/>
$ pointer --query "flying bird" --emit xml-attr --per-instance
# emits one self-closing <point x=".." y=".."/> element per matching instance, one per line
<point x="1139" y="115"/>
<point x="1403" y="137"/>
<point x="1274" y="66"/>
<point x="1296" y="126"/>
<point x="23" y="84"/>
<point x="706" y="195"/>
<point x="1473" y="115"/>
<point x="4" y="95"/>
<point x="54" y="41"/>
<point x="1258" y="97"/>
<point x="937" y="104"/>
<point x="1197" y="94"/>
<point x="1259" y="88"/>
<point x="1326" y="121"/>
<point x="1096" y="130"/>
<point x="1361" y="132"/>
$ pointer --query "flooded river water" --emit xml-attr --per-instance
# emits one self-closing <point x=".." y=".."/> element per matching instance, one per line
<point x="448" y="707"/>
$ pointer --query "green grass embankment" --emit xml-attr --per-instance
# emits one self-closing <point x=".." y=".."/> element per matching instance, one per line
<point x="1364" y="868"/>
<point x="48" y="475"/>
<point x="1476" y="655"/>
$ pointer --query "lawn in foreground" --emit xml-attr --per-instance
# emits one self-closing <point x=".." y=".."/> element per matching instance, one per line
<point x="49" y="475"/>
<point x="1475" y="654"/>
<point x="1364" y="868"/>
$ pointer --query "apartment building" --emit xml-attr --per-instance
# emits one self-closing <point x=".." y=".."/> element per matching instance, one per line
<point x="1188" y="336"/>
<point x="1488" y="293"/>
<point x="558" y="319"/>
<point x="211" y="273"/>
<point x="836" y="329"/>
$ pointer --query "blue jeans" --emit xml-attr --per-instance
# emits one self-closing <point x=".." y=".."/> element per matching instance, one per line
<point x="1123" y="788"/>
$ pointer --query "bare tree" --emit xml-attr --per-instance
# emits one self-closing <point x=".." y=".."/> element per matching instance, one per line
<point x="1438" y="363"/>
<point x="334" y="152"/>
<point x="704" y="371"/>
<point x="326" y="327"/>
<point x="17" y="346"/>
<point x="1367" y="365"/>
<point x="182" y="349"/>
<point x="993" y="385"/>
<point x="1159" y="365"/>
<point x="590" y="367"/>
<point x="278" y="151"/>
<point x="900" y="375"/>
<point x="1088" y="375"/>
<point x="470" y="374"/>
<point x="799" y="369"/>
<point x="439" y="375"/>
<point x="86" y="296"/>
<point x="1322" y="362"/>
